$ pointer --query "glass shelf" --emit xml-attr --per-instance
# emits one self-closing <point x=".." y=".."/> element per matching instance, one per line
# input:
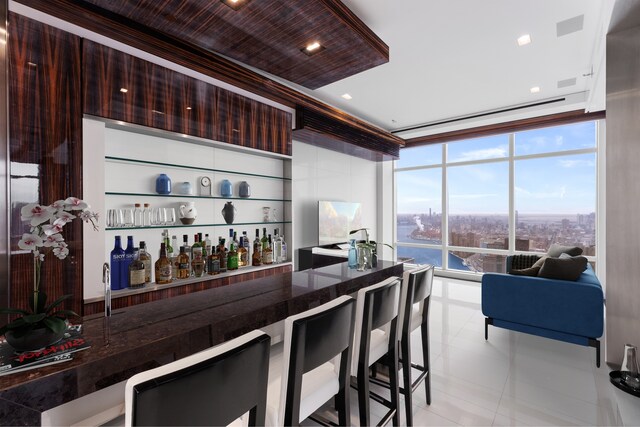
<point x="194" y="225"/>
<point x="173" y="165"/>
<point x="186" y="196"/>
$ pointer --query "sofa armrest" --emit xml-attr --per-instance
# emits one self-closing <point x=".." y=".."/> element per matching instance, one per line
<point x="560" y="305"/>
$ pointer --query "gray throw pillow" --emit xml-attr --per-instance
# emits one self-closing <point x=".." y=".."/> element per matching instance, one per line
<point x="563" y="268"/>
<point x="556" y="250"/>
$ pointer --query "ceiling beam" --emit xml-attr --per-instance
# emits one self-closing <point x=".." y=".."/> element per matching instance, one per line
<point x="506" y="127"/>
<point x="182" y="53"/>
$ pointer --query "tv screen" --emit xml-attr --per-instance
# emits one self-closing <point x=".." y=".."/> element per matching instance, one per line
<point x="336" y="219"/>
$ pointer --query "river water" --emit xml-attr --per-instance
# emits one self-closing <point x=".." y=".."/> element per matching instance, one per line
<point x="425" y="255"/>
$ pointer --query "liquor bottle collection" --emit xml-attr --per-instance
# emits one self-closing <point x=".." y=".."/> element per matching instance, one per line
<point x="132" y="267"/>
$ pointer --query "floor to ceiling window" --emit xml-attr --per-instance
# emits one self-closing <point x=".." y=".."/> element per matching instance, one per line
<point x="466" y="205"/>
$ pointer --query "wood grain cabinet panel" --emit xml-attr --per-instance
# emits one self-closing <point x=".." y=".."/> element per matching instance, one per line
<point x="45" y="138"/>
<point x="122" y="87"/>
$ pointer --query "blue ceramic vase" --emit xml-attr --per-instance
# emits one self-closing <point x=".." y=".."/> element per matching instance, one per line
<point x="245" y="189"/>
<point x="163" y="184"/>
<point x="226" y="190"/>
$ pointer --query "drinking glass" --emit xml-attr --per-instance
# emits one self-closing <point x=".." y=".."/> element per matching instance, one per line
<point x="170" y="216"/>
<point x="128" y="217"/>
<point x="159" y="216"/>
<point x="113" y="218"/>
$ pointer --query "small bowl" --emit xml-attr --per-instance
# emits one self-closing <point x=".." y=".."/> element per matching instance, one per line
<point x="187" y="221"/>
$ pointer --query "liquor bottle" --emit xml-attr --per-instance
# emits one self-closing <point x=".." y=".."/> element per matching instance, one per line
<point x="243" y="255"/>
<point x="137" y="215"/>
<point x="117" y="260"/>
<point x="232" y="257"/>
<point x="174" y="258"/>
<point x="184" y="267"/>
<point x="136" y="271"/>
<point x="203" y="245"/>
<point x="207" y="244"/>
<point x="171" y="250"/>
<point x="146" y="260"/>
<point x="163" y="267"/>
<point x="128" y="259"/>
<point x="213" y="263"/>
<point x="256" y="256"/>
<point x="277" y="247"/>
<point x="283" y="253"/>
<point x="236" y="242"/>
<point x="247" y="246"/>
<point x="146" y="215"/>
<point x="267" y="253"/>
<point x="197" y="258"/>
<point x="196" y="244"/>
<point x="231" y="239"/>
<point x="353" y="258"/>
<point x="222" y="255"/>
<point x="264" y="239"/>
<point x="185" y="243"/>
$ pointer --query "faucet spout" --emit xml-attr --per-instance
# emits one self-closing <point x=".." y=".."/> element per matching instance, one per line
<point x="106" y="280"/>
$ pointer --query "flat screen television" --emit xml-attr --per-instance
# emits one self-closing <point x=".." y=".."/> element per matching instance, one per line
<point x="336" y="219"/>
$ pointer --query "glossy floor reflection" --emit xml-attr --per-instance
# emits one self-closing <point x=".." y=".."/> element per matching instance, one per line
<point x="511" y="379"/>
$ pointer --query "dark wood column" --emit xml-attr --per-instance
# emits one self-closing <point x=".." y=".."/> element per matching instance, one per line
<point x="4" y="163"/>
<point x="45" y="149"/>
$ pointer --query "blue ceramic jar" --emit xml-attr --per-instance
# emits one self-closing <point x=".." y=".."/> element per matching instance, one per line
<point x="163" y="184"/>
<point x="245" y="189"/>
<point x="226" y="190"/>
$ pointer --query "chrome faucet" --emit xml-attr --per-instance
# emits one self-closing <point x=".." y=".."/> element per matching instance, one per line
<point x="106" y="279"/>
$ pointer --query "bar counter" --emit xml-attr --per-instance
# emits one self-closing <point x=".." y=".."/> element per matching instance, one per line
<point x="152" y="334"/>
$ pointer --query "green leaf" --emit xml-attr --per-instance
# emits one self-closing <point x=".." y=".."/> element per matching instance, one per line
<point x="42" y="300"/>
<point x="16" y="323"/>
<point x="56" y="324"/>
<point x="13" y="311"/>
<point x="55" y="303"/>
<point x="34" y="318"/>
<point x="65" y="313"/>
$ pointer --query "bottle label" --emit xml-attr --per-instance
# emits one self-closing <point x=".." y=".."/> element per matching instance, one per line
<point x="232" y="263"/>
<point x="183" y="266"/>
<point x="147" y="270"/>
<point x="163" y="274"/>
<point x="197" y="254"/>
<point x="136" y="278"/>
<point x="213" y="266"/>
<point x="267" y="257"/>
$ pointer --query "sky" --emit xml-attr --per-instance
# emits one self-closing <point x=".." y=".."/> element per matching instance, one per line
<point x="554" y="185"/>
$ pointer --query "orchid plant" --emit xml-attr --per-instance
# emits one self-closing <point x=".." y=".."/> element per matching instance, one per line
<point x="45" y="235"/>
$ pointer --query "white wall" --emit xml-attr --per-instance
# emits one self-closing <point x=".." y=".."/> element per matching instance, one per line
<point x="321" y="174"/>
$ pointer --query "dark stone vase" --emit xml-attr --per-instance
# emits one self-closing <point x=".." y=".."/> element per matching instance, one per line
<point x="229" y="212"/>
<point x="34" y="340"/>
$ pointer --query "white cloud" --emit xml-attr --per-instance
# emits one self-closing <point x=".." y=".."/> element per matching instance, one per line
<point x="560" y="193"/>
<point x="485" y="153"/>
<point x="472" y="196"/>
<point x="575" y="163"/>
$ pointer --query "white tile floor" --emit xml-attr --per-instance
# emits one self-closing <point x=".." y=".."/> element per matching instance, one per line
<point x="511" y="379"/>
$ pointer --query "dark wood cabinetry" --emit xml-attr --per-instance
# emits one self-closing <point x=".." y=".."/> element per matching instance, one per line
<point x="119" y="86"/>
<point x="45" y="143"/>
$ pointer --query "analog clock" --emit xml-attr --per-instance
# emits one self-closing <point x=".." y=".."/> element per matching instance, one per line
<point x="205" y="186"/>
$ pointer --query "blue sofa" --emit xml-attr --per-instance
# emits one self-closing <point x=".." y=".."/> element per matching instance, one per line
<point x="558" y="309"/>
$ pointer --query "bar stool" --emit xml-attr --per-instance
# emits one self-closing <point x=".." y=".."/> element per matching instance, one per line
<point x="414" y="314"/>
<point x="213" y="387"/>
<point x="315" y="364"/>
<point x="376" y="335"/>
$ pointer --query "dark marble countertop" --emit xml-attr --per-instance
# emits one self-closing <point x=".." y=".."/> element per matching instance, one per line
<point x="148" y="335"/>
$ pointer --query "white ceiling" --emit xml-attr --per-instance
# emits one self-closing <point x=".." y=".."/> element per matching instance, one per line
<point x="452" y="58"/>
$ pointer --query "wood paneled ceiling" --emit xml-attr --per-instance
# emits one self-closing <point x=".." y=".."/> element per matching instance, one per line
<point x="267" y="34"/>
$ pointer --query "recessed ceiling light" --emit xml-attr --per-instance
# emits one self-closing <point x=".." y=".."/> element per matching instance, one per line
<point x="312" y="48"/>
<point x="188" y="108"/>
<point x="124" y="90"/>
<point x="235" y="4"/>
<point x="32" y="64"/>
<point x="346" y="96"/>
<point x="157" y="112"/>
<point x="524" y="39"/>
<point x="535" y="89"/>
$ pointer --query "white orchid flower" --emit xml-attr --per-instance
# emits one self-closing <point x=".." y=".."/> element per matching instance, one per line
<point x="75" y="204"/>
<point x="58" y="205"/>
<point x="53" y="240"/>
<point x="65" y="216"/>
<point x="30" y="242"/>
<point x="54" y="228"/>
<point x="61" y="253"/>
<point x="36" y="213"/>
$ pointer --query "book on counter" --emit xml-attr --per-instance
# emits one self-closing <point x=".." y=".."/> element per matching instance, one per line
<point x="60" y="352"/>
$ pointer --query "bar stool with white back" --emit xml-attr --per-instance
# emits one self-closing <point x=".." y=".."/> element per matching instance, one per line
<point x="414" y="313"/>
<point x="376" y="335"/>
<point x="216" y="386"/>
<point x="313" y="366"/>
